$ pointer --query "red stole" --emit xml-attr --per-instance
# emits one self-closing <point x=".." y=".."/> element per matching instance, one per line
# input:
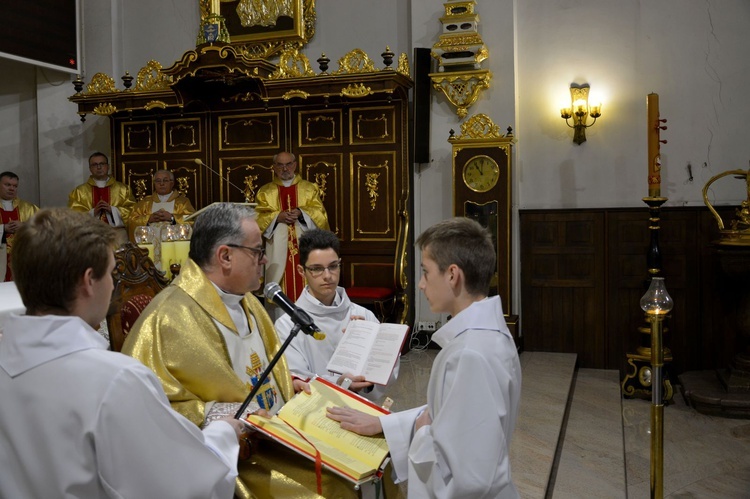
<point x="8" y="216"/>
<point x="293" y="283"/>
<point x="100" y="194"/>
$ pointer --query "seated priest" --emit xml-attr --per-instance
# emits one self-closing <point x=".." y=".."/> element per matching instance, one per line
<point x="165" y="206"/>
<point x="331" y="310"/>
<point x="208" y="338"/>
<point x="103" y="197"/>
<point x="77" y="420"/>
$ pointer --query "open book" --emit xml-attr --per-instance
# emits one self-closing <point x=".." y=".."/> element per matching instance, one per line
<point x="302" y="426"/>
<point x="369" y="349"/>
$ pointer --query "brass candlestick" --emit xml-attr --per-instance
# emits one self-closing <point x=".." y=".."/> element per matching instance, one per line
<point x="657" y="303"/>
<point x="641" y="379"/>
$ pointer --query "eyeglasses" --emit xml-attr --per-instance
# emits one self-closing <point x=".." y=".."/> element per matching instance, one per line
<point x="97" y="165"/>
<point x="285" y="166"/>
<point x="261" y="252"/>
<point x="318" y="270"/>
<point x="163" y="180"/>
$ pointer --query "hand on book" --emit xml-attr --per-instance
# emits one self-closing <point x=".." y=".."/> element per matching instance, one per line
<point x="356" y="383"/>
<point x="300" y="385"/>
<point x="355" y="421"/>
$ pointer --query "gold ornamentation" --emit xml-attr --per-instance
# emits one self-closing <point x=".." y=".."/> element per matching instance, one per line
<point x="270" y="41"/>
<point x="382" y="119"/>
<point x="291" y="94"/>
<point x="356" y="61"/>
<point x="356" y="90"/>
<point x="479" y="126"/>
<point x="458" y="42"/>
<point x="191" y="131"/>
<point x="105" y="109"/>
<point x="403" y="65"/>
<point x="101" y="84"/>
<point x="328" y="119"/>
<point x="292" y="64"/>
<point x="321" y="179"/>
<point x="263" y="12"/>
<point x="140" y="189"/>
<point x="246" y="97"/>
<point x="739" y="232"/>
<point x="250" y="187"/>
<point x="371" y="183"/>
<point x="155" y="104"/>
<point x="462" y="88"/>
<point x="182" y="185"/>
<point x="150" y="77"/>
<point x="459" y="8"/>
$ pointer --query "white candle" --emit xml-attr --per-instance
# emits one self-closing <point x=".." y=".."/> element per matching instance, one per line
<point x="148" y="247"/>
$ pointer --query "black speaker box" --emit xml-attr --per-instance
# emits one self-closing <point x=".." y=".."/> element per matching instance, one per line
<point x="421" y="104"/>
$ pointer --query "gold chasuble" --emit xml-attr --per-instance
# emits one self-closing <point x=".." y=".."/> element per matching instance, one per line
<point x="282" y="247"/>
<point x="144" y="208"/>
<point x="177" y="338"/>
<point x="22" y="211"/>
<point x="85" y="196"/>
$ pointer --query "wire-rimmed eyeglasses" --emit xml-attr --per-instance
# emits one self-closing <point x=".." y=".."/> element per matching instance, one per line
<point x="317" y="270"/>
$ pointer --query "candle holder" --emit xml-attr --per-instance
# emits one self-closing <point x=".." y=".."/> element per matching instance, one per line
<point x="656" y="303"/>
<point x="641" y="379"/>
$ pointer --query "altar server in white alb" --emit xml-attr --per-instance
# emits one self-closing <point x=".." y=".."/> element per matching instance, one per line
<point x="458" y="444"/>
<point x="331" y="310"/>
<point x="77" y="420"/>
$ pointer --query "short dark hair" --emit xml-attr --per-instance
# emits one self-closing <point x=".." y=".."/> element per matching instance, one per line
<point x="97" y="153"/>
<point x="465" y="243"/>
<point x="52" y="251"/>
<point x="9" y="175"/>
<point x="317" y="239"/>
<point x="220" y="223"/>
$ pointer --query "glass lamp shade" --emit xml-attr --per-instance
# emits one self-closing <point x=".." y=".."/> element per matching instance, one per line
<point x="657" y="300"/>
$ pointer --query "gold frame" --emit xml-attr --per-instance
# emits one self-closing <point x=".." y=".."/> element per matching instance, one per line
<point x="303" y="24"/>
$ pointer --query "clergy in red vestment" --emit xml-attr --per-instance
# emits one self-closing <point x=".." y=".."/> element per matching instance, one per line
<point x="13" y="213"/>
<point x="287" y="207"/>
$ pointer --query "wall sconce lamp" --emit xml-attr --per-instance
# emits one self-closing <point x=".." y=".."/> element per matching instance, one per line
<point x="580" y="111"/>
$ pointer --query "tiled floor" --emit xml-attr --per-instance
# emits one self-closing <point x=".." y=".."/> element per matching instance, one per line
<point x="605" y="451"/>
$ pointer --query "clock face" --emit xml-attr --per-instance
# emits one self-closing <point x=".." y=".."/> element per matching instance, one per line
<point x="481" y="173"/>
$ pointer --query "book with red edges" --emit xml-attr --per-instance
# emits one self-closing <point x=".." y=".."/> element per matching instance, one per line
<point x="302" y="426"/>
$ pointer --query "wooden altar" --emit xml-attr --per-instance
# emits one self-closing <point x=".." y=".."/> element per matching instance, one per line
<point x="217" y="116"/>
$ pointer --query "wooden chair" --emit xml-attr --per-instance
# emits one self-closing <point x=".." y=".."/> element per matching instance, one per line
<point x="390" y="304"/>
<point x="137" y="281"/>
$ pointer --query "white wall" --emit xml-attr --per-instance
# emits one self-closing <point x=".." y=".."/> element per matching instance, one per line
<point x="690" y="52"/>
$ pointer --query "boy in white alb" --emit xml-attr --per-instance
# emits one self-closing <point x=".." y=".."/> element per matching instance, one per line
<point x="458" y="444"/>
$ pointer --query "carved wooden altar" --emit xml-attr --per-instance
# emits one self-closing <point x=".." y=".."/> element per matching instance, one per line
<point x="348" y="128"/>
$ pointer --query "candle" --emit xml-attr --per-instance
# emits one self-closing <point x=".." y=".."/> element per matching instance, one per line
<point x="181" y="250"/>
<point x="167" y="256"/>
<point x="654" y="158"/>
<point x="148" y="247"/>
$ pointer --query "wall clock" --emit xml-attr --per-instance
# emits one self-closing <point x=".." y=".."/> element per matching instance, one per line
<point x="481" y="173"/>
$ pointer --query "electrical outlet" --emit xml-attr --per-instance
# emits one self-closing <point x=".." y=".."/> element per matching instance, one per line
<point x="426" y="326"/>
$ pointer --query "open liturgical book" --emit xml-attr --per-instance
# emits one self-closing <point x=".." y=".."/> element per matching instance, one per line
<point x="369" y="349"/>
<point x="302" y="425"/>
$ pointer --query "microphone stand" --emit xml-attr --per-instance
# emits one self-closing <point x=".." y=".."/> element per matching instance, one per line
<point x="264" y="374"/>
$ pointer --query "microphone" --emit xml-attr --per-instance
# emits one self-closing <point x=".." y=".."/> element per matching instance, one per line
<point x="273" y="293"/>
<point x="201" y="163"/>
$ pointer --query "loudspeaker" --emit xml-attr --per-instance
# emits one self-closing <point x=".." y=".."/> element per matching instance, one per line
<point x="421" y="104"/>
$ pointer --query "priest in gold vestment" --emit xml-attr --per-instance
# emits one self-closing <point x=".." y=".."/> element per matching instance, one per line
<point x="103" y="197"/>
<point x="287" y="207"/>
<point x="164" y="206"/>
<point x="208" y="338"/>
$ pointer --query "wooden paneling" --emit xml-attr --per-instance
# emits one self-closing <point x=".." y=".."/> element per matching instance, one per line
<point x="583" y="273"/>
<point x="562" y="291"/>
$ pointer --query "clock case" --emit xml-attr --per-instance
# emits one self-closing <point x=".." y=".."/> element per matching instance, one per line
<point x="491" y="208"/>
